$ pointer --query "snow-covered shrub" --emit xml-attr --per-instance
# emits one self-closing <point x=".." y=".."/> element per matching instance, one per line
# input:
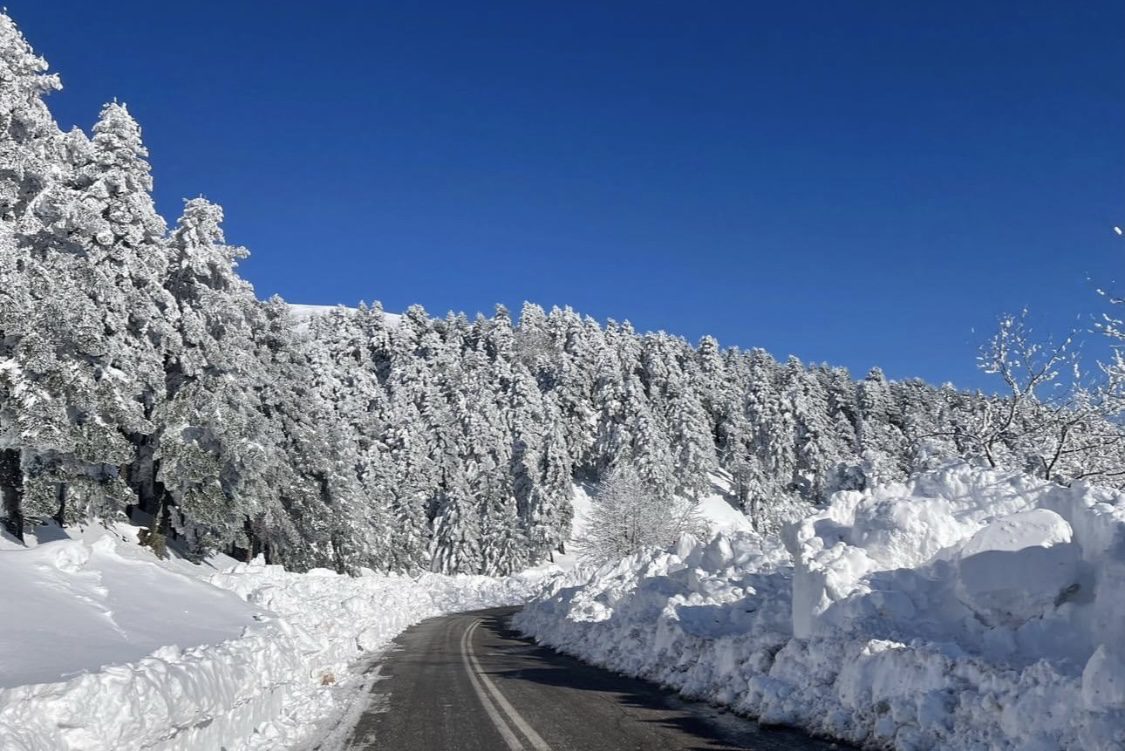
<point x="627" y="516"/>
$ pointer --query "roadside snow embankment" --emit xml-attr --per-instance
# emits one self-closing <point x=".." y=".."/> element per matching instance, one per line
<point x="103" y="647"/>
<point x="965" y="609"/>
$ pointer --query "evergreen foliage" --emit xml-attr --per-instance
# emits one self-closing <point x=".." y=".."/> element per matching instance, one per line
<point x="140" y="376"/>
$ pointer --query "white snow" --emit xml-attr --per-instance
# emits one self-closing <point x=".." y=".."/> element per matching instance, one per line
<point x="583" y="506"/>
<point x="995" y="567"/>
<point x="304" y="312"/>
<point x="111" y="649"/>
<point x="966" y="609"/>
<point x="720" y="516"/>
<point x="51" y="588"/>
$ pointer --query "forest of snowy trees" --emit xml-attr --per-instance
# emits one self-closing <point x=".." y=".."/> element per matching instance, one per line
<point x="140" y="376"/>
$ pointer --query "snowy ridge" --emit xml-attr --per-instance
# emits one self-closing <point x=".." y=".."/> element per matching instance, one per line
<point x="283" y="650"/>
<point x="965" y="609"/>
<point x="305" y="312"/>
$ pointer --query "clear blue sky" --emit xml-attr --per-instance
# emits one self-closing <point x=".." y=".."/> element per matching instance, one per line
<point x="857" y="182"/>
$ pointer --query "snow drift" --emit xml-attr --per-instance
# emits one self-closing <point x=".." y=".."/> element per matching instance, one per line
<point x="103" y="647"/>
<point x="965" y="609"/>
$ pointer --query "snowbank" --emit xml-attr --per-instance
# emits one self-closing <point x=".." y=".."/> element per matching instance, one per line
<point x="965" y="609"/>
<point x="125" y="608"/>
<point x="103" y="647"/>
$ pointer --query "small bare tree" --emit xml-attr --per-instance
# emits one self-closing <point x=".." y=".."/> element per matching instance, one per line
<point x="627" y="516"/>
<point x="1049" y="414"/>
<point x="1027" y="368"/>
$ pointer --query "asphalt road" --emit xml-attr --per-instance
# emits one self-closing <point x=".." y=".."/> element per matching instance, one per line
<point x="467" y="682"/>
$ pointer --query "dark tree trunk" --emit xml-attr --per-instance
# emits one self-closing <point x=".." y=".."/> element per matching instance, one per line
<point x="11" y="488"/>
<point x="60" y="496"/>
<point x="141" y="474"/>
<point x="159" y="526"/>
<point x="258" y="546"/>
<point x="164" y="512"/>
<point x="152" y="497"/>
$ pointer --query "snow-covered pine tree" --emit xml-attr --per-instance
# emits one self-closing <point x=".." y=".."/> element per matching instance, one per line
<point x="455" y="547"/>
<point x="812" y="450"/>
<point x="573" y="392"/>
<point x="480" y="410"/>
<point x="648" y="454"/>
<point x="210" y="454"/>
<point x="122" y="240"/>
<point x="415" y="478"/>
<point x="613" y="440"/>
<point x="551" y="509"/>
<point x="693" y="441"/>
<point x="32" y="409"/>
<point x="882" y="445"/>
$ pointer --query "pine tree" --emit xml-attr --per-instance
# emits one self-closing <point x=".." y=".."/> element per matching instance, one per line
<point x="881" y="442"/>
<point x="210" y="453"/>
<point x="414" y="480"/>
<point x="456" y="536"/>
<point x="692" y="438"/>
<point x="29" y="137"/>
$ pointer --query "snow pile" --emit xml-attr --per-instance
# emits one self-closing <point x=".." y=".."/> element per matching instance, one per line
<point x="49" y="589"/>
<point x="103" y="647"/>
<point x="720" y="516"/>
<point x="688" y="617"/>
<point x="965" y="609"/>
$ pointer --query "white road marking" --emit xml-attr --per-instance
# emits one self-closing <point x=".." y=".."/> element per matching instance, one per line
<point x="505" y="731"/>
<point x="529" y="732"/>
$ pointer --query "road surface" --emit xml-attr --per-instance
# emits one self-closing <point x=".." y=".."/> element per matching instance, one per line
<point x="467" y="682"/>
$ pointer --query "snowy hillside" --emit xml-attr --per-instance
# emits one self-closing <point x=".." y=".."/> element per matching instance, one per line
<point x="965" y="609"/>
<point x="304" y="312"/>
<point x="112" y="649"/>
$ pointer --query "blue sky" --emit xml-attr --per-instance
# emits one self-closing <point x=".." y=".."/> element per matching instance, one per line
<point x="859" y="183"/>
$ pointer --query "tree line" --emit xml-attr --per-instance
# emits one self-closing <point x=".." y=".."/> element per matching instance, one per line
<point x="140" y="377"/>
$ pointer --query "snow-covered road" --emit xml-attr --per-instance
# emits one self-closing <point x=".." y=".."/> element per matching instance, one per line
<point x="469" y="682"/>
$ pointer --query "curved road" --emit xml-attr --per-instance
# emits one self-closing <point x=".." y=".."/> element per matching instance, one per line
<point x="468" y="682"/>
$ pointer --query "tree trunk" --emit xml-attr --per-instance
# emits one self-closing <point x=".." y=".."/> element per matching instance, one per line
<point x="141" y="475"/>
<point x="11" y="488"/>
<point x="60" y="496"/>
<point x="164" y="511"/>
